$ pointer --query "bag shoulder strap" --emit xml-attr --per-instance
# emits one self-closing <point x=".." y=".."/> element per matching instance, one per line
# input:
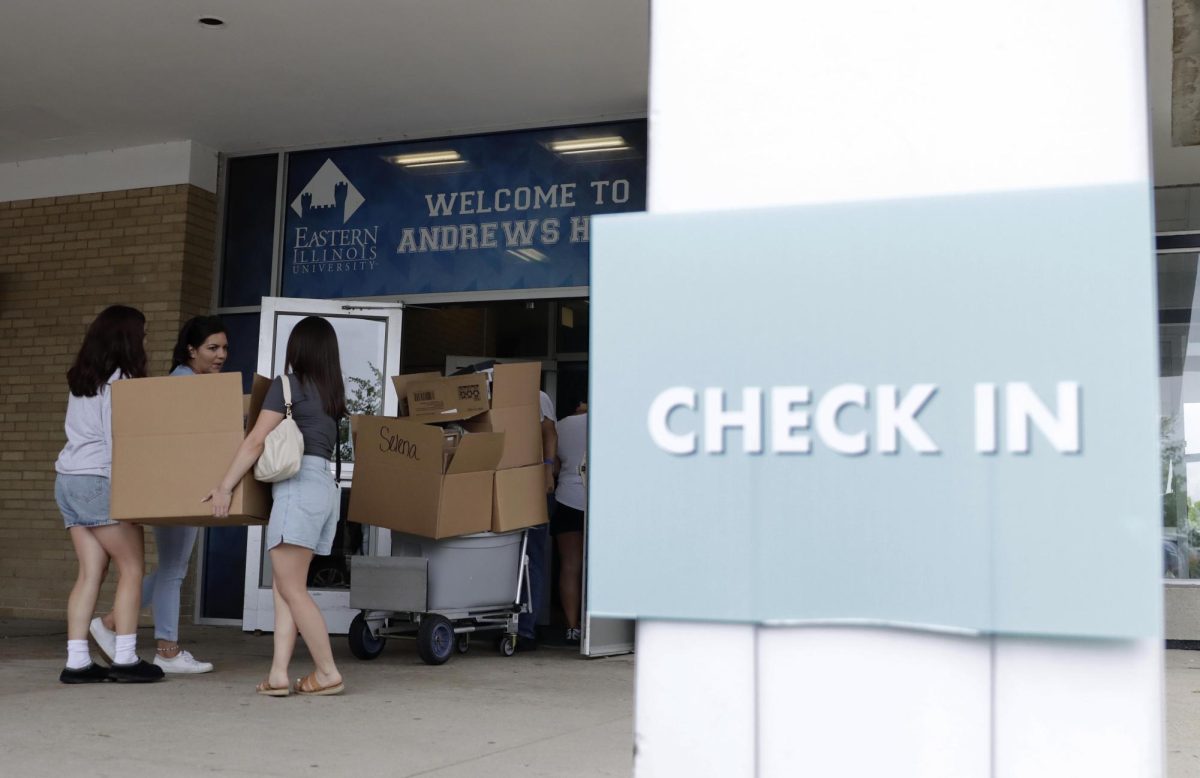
<point x="287" y="395"/>
<point x="337" y="448"/>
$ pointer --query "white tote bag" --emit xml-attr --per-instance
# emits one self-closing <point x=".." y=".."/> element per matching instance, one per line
<point x="284" y="447"/>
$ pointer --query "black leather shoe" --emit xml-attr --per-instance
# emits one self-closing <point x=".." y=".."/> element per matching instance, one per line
<point x="93" y="673"/>
<point x="140" y="672"/>
<point x="526" y="644"/>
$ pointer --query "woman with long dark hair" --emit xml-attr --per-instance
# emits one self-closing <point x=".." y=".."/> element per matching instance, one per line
<point x="113" y="349"/>
<point x="305" y="510"/>
<point x="202" y="347"/>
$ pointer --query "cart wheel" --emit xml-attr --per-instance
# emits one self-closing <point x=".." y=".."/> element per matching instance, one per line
<point x="462" y="643"/>
<point x="435" y="639"/>
<point x="508" y="645"/>
<point x="363" y="644"/>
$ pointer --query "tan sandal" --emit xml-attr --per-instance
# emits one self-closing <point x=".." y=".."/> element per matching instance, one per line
<point x="267" y="690"/>
<point x="308" y="686"/>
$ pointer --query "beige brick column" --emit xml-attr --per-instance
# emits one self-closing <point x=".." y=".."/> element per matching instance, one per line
<point x="62" y="260"/>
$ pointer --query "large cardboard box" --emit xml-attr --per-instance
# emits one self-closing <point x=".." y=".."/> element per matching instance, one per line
<point x="403" y="480"/>
<point x="173" y="439"/>
<point x="512" y="408"/>
<point x="516" y="411"/>
<point x="519" y="498"/>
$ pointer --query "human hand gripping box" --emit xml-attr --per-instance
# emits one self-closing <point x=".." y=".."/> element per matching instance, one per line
<point x="173" y="439"/>
<point x="405" y="480"/>
<point x="512" y="407"/>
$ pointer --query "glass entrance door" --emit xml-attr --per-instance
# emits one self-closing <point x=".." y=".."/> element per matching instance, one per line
<point x="369" y="342"/>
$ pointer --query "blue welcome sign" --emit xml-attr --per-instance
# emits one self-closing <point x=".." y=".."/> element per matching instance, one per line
<point x="936" y="413"/>
<point x="465" y="214"/>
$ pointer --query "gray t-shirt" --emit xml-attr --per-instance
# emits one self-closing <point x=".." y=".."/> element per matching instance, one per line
<point x="319" y="430"/>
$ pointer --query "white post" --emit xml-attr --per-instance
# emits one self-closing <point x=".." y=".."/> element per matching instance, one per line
<point x="761" y="103"/>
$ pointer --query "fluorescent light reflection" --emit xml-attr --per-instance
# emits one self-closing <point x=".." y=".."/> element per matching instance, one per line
<point x="529" y="255"/>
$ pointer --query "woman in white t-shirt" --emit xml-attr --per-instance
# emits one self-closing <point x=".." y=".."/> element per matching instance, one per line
<point x="566" y="525"/>
<point x="202" y="347"/>
<point x="113" y="348"/>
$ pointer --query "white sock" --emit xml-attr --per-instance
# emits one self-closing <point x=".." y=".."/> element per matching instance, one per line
<point x="79" y="655"/>
<point x="125" y="650"/>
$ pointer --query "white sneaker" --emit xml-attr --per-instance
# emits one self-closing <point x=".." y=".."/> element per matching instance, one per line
<point x="106" y="639"/>
<point x="183" y="662"/>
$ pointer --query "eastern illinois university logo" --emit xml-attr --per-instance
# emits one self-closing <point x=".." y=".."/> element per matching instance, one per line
<point x="323" y="242"/>
<point x="329" y="191"/>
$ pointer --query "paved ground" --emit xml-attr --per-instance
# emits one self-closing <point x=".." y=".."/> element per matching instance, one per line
<point x="546" y="713"/>
<point x="1183" y="714"/>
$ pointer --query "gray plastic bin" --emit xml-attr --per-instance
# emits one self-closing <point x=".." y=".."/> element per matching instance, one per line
<point x="467" y="572"/>
<point x="388" y="583"/>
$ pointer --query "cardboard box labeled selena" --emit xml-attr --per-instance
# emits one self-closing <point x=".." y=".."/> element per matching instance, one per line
<point x="173" y="439"/>
<point x="404" y="480"/>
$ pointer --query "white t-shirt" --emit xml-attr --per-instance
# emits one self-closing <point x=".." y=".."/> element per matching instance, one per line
<point x="547" y="407"/>
<point x="572" y="447"/>
<point x="89" y="434"/>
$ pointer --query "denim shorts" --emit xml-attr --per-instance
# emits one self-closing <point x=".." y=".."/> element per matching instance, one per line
<point x="306" y="507"/>
<point x="83" y="500"/>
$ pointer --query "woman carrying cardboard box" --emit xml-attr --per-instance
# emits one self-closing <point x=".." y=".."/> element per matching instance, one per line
<point x="202" y="347"/>
<point x="305" y="510"/>
<point x="113" y="348"/>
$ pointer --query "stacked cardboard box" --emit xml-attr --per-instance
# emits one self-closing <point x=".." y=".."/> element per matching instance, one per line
<point x="173" y="439"/>
<point x="520" y="486"/>
<point x="399" y="483"/>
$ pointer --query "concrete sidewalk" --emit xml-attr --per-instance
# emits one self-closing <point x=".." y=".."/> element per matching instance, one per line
<point x="1182" y="684"/>
<point x="545" y="713"/>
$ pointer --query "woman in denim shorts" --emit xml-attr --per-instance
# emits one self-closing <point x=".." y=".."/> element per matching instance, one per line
<point x="202" y="347"/>
<point x="305" y="510"/>
<point x="113" y="348"/>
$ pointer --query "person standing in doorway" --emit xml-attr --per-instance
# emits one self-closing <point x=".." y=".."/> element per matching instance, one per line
<point x="202" y="347"/>
<point x="566" y="525"/>
<point x="537" y="537"/>
<point x="113" y="349"/>
<point x="304" y="514"/>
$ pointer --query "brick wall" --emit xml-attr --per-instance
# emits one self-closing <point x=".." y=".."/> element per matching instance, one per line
<point x="63" y="260"/>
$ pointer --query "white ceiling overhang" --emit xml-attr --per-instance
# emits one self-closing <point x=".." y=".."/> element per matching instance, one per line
<point x="85" y="76"/>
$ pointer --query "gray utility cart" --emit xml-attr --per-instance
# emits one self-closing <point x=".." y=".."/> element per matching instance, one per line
<point x="440" y="591"/>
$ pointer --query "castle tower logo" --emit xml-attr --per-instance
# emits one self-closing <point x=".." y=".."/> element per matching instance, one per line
<point x="329" y="191"/>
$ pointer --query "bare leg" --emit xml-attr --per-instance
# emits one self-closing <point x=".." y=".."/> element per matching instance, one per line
<point x="570" y="575"/>
<point x="123" y="543"/>
<point x="290" y="566"/>
<point x="93" y="564"/>
<point x="285" y="640"/>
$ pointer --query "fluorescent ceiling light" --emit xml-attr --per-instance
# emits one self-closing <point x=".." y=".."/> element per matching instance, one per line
<point x="577" y="145"/>
<point x="426" y="158"/>
<point x="438" y="164"/>
<point x="594" y="151"/>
